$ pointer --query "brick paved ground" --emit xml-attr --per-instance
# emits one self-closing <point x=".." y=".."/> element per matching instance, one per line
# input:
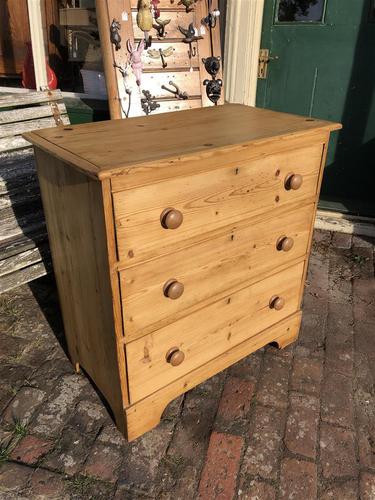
<point x="295" y="424"/>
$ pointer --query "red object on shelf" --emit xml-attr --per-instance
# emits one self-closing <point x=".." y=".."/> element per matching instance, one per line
<point x="156" y="8"/>
<point x="28" y="72"/>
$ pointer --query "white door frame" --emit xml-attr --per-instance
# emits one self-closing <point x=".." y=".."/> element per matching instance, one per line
<point x="37" y="43"/>
<point x="242" y="43"/>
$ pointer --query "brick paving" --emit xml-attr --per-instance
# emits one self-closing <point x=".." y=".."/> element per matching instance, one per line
<point x="294" y="424"/>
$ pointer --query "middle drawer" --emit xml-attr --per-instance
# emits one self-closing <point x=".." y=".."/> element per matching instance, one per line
<point x="160" y="291"/>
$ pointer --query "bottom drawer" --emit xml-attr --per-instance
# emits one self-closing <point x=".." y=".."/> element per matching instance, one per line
<point x="165" y="355"/>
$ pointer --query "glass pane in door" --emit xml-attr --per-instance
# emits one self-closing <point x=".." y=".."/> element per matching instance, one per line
<point x="300" y="11"/>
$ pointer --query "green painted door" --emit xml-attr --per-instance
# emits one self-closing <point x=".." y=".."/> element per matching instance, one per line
<point x="322" y="64"/>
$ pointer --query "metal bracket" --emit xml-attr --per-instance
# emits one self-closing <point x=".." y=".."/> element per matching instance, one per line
<point x="56" y="112"/>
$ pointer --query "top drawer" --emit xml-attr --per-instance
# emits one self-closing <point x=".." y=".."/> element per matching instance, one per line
<point x="208" y="201"/>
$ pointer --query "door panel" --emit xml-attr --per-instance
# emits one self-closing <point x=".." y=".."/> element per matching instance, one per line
<point x="323" y="65"/>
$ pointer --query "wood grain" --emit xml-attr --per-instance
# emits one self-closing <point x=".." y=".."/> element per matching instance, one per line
<point x="209" y="332"/>
<point x="23" y="99"/>
<point x="177" y="139"/>
<point x="17" y="115"/>
<point x="187" y="81"/>
<point x="178" y="59"/>
<point x="172" y="32"/>
<point x="73" y="205"/>
<point x="208" y="202"/>
<point x="177" y="105"/>
<point x="145" y="414"/>
<point x="238" y="255"/>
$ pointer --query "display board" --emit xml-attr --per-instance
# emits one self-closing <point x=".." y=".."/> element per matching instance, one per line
<point x="160" y="55"/>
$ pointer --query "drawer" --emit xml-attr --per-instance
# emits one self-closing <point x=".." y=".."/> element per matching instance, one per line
<point x="208" y="201"/>
<point x="161" y="357"/>
<point x="211" y="267"/>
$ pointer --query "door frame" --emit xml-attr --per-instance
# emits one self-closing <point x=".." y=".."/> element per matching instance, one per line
<point x="242" y="43"/>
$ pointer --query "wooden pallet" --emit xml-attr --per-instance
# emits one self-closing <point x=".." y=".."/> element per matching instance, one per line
<point x="24" y="252"/>
<point x="189" y="76"/>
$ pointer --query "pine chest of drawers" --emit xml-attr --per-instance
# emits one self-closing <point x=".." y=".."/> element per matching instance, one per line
<point x="180" y="244"/>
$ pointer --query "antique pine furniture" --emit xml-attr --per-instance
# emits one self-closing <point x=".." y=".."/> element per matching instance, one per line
<point x="180" y="244"/>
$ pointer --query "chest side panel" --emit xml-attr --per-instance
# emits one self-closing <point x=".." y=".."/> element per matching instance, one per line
<point x="74" y="209"/>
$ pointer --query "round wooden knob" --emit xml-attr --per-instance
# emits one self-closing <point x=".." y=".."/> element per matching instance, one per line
<point x="284" y="243"/>
<point x="173" y="289"/>
<point x="277" y="303"/>
<point x="171" y="218"/>
<point x="293" y="181"/>
<point x="174" y="356"/>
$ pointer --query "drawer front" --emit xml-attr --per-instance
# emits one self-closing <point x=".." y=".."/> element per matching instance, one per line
<point x="210" y="331"/>
<point x="208" y="201"/>
<point x="210" y="268"/>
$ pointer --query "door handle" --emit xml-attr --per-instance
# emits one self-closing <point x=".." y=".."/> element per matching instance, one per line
<point x="264" y="59"/>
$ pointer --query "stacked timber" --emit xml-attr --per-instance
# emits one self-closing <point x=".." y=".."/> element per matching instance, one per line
<point x="24" y="253"/>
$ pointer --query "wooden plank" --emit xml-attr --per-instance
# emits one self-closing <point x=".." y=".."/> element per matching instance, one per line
<point x="12" y="143"/>
<point x="24" y="259"/>
<point x="16" y="171"/>
<point x="14" y="224"/>
<point x="198" y="132"/>
<point x="163" y="5"/>
<point x="22" y="242"/>
<point x="14" y="34"/>
<point x="12" y="100"/>
<point x="167" y="106"/>
<point x="22" y="276"/>
<point x="187" y="81"/>
<point x="172" y="32"/>
<point x="19" y="196"/>
<point x="178" y="59"/>
<point x="107" y="11"/>
<point x="144" y="415"/>
<point x="18" y="128"/>
<point x="239" y="255"/>
<point x="74" y="209"/>
<point x="209" y="332"/>
<point x="345" y="223"/>
<point x="22" y="114"/>
<point x="208" y="203"/>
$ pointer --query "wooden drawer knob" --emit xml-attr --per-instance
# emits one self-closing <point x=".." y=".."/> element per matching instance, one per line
<point x="277" y="303"/>
<point x="173" y="289"/>
<point x="293" y="181"/>
<point x="171" y="218"/>
<point x="174" y="356"/>
<point x="284" y="244"/>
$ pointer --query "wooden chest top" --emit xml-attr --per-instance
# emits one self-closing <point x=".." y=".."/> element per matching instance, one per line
<point x="104" y="149"/>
